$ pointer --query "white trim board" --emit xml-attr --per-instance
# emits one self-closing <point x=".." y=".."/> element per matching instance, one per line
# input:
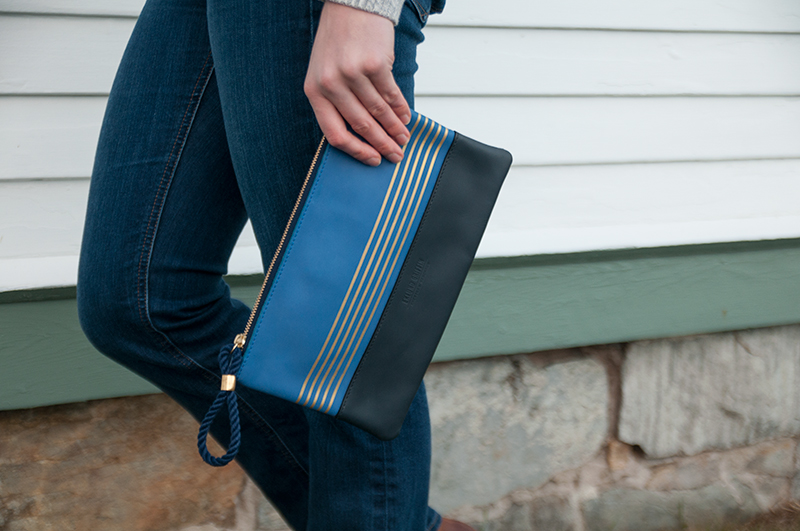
<point x="672" y="15"/>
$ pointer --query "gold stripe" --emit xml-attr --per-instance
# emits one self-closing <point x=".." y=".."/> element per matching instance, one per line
<point x="419" y="170"/>
<point x="386" y="281"/>
<point x="389" y="192"/>
<point x="353" y="351"/>
<point x="393" y="216"/>
<point x="350" y="332"/>
<point x="361" y="283"/>
<point x="355" y="275"/>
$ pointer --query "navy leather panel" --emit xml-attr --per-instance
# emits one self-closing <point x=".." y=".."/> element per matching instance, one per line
<point x="415" y="316"/>
<point x="337" y="271"/>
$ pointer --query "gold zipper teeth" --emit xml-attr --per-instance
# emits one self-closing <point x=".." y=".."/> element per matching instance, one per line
<point x="240" y="339"/>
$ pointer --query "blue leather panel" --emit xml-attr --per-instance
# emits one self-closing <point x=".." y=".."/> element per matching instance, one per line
<point x="338" y="269"/>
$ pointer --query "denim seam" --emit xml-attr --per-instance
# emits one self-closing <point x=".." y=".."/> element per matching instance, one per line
<point x="422" y="13"/>
<point x="270" y="432"/>
<point x="148" y="243"/>
<point x="312" y="31"/>
<point x="160" y="337"/>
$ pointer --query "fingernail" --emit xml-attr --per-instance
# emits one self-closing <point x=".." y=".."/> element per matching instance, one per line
<point x="406" y="119"/>
<point x="374" y="161"/>
<point x="402" y="139"/>
<point x="395" y="157"/>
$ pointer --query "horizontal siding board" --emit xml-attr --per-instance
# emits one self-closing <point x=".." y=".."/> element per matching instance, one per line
<point x="56" y="364"/>
<point x="586" y="208"/>
<point x="80" y="55"/>
<point x="541" y="210"/>
<point x="47" y="137"/>
<point x="670" y="15"/>
<point x="463" y="61"/>
<point x="57" y="271"/>
<point x="588" y="299"/>
<point x="32" y="264"/>
<point x="64" y="55"/>
<point x="519" y="305"/>
<point x="547" y="131"/>
<point x="675" y="15"/>
<point x="41" y="218"/>
<point x="118" y="8"/>
<point x="38" y="272"/>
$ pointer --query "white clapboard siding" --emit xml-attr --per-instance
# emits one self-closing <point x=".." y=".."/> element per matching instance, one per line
<point x="81" y="54"/>
<point x="78" y="56"/>
<point x="41" y="223"/>
<point x="41" y="218"/>
<point x="542" y="62"/>
<point x="546" y="131"/>
<point x="583" y="208"/>
<point x="540" y="210"/>
<point x="676" y="15"/>
<point x="118" y="8"/>
<point x="671" y="15"/>
<point x="62" y="270"/>
<point x="632" y="124"/>
<point x="50" y="138"/>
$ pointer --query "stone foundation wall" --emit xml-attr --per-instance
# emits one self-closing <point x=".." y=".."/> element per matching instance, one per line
<point x="652" y="435"/>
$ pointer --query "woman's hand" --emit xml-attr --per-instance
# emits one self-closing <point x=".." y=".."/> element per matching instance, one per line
<point x="349" y="81"/>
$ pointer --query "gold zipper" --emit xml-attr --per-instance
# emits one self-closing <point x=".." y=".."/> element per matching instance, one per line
<point x="240" y="339"/>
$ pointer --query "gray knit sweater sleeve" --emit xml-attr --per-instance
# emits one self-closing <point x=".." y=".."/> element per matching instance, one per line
<point x="386" y="8"/>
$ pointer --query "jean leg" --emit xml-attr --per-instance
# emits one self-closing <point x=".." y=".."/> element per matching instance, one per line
<point x="164" y="214"/>
<point x="361" y="483"/>
<point x="261" y="52"/>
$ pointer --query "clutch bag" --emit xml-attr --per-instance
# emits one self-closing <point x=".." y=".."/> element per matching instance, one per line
<point x="363" y="281"/>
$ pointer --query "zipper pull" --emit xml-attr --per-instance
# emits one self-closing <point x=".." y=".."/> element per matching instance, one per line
<point x="238" y="342"/>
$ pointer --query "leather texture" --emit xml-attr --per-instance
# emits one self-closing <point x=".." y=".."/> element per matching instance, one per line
<point x="336" y="273"/>
<point x="427" y="287"/>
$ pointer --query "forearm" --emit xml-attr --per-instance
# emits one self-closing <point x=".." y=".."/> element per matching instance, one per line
<point x="386" y="8"/>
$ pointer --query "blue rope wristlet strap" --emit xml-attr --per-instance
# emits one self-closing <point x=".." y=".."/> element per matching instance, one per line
<point x="230" y="359"/>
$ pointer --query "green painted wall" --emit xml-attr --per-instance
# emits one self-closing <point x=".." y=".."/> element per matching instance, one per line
<point x="507" y="306"/>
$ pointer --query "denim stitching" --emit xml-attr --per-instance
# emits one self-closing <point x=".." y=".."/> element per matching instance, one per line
<point x="159" y="336"/>
<point x="166" y="178"/>
<point x="268" y="430"/>
<point x="422" y="13"/>
<point x="312" y="29"/>
<point x="151" y="229"/>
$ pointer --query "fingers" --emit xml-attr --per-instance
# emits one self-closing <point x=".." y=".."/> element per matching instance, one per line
<point x="388" y="108"/>
<point x="388" y="90"/>
<point x="337" y="134"/>
<point x="349" y="81"/>
<point x="371" y="118"/>
<point x="380" y="120"/>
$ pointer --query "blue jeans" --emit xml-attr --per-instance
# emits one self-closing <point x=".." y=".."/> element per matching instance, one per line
<point x="207" y="125"/>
